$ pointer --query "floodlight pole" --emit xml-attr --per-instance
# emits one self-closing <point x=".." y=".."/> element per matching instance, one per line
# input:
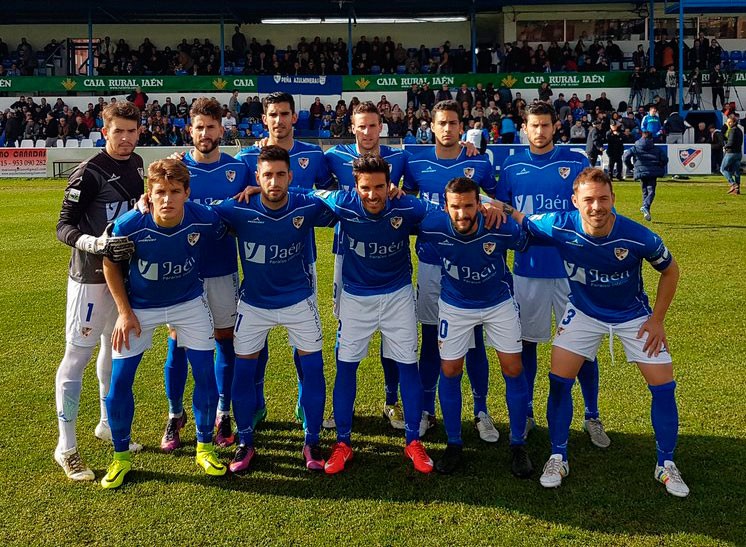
<point x="222" y="45"/>
<point x="651" y="33"/>
<point x="681" y="58"/>
<point x="349" y="42"/>
<point x="473" y="25"/>
<point x="90" y="44"/>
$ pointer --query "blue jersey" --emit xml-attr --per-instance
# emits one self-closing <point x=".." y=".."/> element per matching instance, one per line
<point x="271" y="246"/>
<point x="216" y="181"/>
<point x="164" y="270"/>
<point x="540" y="183"/>
<point x="605" y="273"/>
<point x="474" y="273"/>
<point x="427" y="174"/>
<point x="376" y="247"/>
<point x="309" y="168"/>
<point x="340" y="158"/>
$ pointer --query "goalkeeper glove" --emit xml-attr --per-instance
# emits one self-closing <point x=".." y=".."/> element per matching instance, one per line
<point x="116" y="248"/>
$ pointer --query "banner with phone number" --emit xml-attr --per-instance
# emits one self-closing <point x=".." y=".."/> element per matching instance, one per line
<point x="23" y="162"/>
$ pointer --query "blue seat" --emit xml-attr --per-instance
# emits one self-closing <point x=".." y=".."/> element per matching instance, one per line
<point x="736" y="55"/>
<point x="280" y="54"/>
<point x="424" y="69"/>
<point x="412" y="51"/>
<point x="410" y="139"/>
<point x="401" y="69"/>
<point x="257" y="128"/>
<point x="242" y="133"/>
<point x="317" y="123"/>
<point x="325" y="134"/>
<point x="243" y="125"/>
<point x="724" y="56"/>
<point x="375" y="69"/>
<point x="179" y="122"/>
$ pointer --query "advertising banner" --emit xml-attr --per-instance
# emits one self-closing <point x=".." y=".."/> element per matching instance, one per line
<point x="125" y="84"/>
<point x="689" y="159"/>
<point x="301" y="85"/>
<point x="23" y="162"/>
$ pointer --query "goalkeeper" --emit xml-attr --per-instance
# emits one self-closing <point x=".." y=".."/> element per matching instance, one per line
<point x="98" y="191"/>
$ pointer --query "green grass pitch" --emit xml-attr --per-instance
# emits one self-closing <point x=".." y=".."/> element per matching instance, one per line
<point x="610" y="497"/>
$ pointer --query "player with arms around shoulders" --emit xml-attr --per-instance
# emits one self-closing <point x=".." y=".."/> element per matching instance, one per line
<point x="476" y="289"/>
<point x="213" y="176"/>
<point x="310" y="170"/>
<point x="273" y="229"/>
<point x="99" y="190"/>
<point x="163" y="286"/>
<point x="427" y="172"/>
<point x="603" y="253"/>
<point x="534" y="181"/>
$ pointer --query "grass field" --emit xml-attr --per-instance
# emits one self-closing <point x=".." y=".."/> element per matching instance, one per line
<point x="610" y="498"/>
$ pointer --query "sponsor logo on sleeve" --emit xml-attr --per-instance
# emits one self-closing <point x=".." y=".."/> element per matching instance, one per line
<point x="73" y="194"/>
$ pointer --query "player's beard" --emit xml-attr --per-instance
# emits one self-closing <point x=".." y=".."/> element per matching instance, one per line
<point x="204" y="148"/>
<point x="468" y="229"/>
<point x="275" y="198"/>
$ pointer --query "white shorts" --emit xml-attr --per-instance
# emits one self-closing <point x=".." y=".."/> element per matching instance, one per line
<point x="582" y="335"/>
<point x="428" y="293"/>
<point x="456" y="328"/>
<point x="392" y="314"/>
<point x="91" y="313"/>
<point x="313" y="277"/>
<point x="337" y="283"/>
<point x="536" y="298"/>
<point x="192" y="321"/>
<point x="222" y="295"/>
<point x="301" y="320"/>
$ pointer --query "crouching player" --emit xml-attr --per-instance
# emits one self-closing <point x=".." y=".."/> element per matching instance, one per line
<point x="476" y="290"/>
<point x="603" y="253"/>
<point x="163" y="286"/>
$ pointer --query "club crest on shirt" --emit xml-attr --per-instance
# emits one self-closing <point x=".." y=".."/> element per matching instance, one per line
<point x="620" y="253"/>
<point x="193" y="238"/>
<point x="230" y="175"/>
<point x="396" y="222"/>
<point x="488" y="247"/>
<point x="564" y="172"/>
<point x="141" y="172"/>
<point x="85" y="331"/>
<point x="298" y="221"/>
<point x="469" y="172"/>
<point x="303" y="162"/>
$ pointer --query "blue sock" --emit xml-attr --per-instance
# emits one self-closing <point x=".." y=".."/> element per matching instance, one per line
<point x="120" y="402"/>
<point x="225" y="359"/>
<point x="529" y="360"/>
<point x="299" y="372"/>
<point x="559" y="412"/>
<point x="261" y="370"/>
<point x="588" y="380"/>
<point x="665" y="417"/>
<point x="429" y="366"/>
<point x="244" y="399"/>
<point x="314" y="395"/>
<point x="449" y="390"/>
<point x="205" y="400"/>
<point x="390" y="378"/>
<point x="175" y="371"/>
<point x="516" y="396"/>
<point x="478" y="371"/>
<point x="411" y="398"/>
<point x="345" y="389"/>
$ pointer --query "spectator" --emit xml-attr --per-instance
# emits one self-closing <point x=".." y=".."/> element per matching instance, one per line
<point x="717" y="81"/>
<point x="733" y="148"/>
<point x="672" y="83"/>
<point x="464" y="95"/>
<point x="444" y="94"/>
<point x="316" y="110"/>
<point x="383" y="105"/>
<point x="578" y="133"/>
<point x="427" y="96"/>
<point x="413" y="96"/>
<point x="615" y="150"/>
<point x="717" y="142"/>
<point x="604" y="103"/>
<point x="139" y="98"/>
<point x="675" y="126"/>
<point x="507" y="129"/>
<point x="695" y="89"/>
<point x="651" y="123"/>
<point x="229" y="126"/>
<point x="636" y="86"/>
<point x="424" y="133"/>
<point x="233" y="102"/>
<point x="238" y="42"/>
<point x="545" y="93"/>
<point x="338" y="127"/>
<point x="594" y="146"/>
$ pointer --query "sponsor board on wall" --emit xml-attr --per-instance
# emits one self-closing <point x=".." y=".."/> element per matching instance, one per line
<point x="23" y="162"/>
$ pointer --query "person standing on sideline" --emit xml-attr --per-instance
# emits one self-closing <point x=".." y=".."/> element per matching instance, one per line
<point x="594" y="145"/>
<point x="649" y="163"/>
<point x="731" y="166"/>
<point x="615" y="151"/>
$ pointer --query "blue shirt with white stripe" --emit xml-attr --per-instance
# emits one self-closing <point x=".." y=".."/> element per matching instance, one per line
<point x="428" y="175"/>
<point x="340" y="158"/>
<point x="540" y="183"/>
<point x="474" y="274"/>
<point x="271" y="245"/>
<point x="376" y="247"/>
<point x="605" y="273"/>
<point x="164" y="270"/>
<point x="209" y="182"/>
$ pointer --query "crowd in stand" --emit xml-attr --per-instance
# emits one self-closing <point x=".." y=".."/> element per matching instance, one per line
<point x="325" y="57"/>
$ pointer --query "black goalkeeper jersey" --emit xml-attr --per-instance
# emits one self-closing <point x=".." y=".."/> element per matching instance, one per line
<point x="98" y="191"/>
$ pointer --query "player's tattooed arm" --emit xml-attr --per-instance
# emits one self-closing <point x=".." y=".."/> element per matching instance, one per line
<point x="656" y="339"/>
<point x="127" y="320"/>
<point x="509" y="210"/>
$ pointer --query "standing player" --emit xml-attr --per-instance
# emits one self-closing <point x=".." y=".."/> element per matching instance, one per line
<point x="476" y="289"/>
<point x="273" y="229"/>
<point x="426" y="173"/>
<point x="310" y="170"/>
<point x="539" y="180"/>
<point x="163" y="286"/>
<point x="366" y="127"/>
<point x="603" y="252"/>
<point x="98" y="191"/>
<point x="214" y="175"/>
<point x="376" y="294"/>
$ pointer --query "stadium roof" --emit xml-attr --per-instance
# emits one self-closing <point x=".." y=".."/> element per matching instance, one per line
<point x="708" y="6"/>
<point x="244" y="11"/>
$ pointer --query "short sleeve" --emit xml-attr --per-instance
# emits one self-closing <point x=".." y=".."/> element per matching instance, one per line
<point x="656" y="252"/>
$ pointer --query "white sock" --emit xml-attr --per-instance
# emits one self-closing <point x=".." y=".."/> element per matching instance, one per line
<point x="103" y="371"/>
<point x="172" y="415"/>
<point x="68" y="384"/>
